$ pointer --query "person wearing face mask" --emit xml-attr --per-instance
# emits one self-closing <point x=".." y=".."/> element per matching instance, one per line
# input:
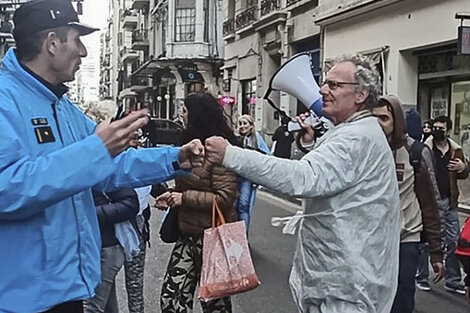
<point x="449" y="167"/>
<point x="427" y="129"/>
<point x="250" y="139"/>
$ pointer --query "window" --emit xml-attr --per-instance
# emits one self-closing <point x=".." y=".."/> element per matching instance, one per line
<point x="185" y="20"/>
<point x="248" y="96"/>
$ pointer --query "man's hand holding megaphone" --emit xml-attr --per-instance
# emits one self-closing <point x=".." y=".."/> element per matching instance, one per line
<point x="307" y="133"/>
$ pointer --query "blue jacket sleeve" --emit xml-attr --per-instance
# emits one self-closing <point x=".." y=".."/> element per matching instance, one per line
<point x="261" y="144"/>
<point x="142" y="167"/>
<point x="30" y="183"/>
<point x="123" y="206"/>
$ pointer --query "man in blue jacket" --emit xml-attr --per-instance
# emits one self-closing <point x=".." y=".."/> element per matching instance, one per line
<point x="51" y="156"/>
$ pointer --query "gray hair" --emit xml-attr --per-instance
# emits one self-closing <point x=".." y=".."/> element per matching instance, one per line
<point x="366" y="75"/>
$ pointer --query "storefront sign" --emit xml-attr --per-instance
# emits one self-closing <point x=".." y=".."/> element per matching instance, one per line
<point x="463" y="40"/>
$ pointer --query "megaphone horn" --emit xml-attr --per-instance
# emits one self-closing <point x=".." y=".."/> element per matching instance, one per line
<point x="295" y="77"/>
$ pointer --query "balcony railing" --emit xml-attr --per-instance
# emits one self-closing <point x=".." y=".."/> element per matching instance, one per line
<point x="127" y="53"/>
<point x="268" y="6"/>
<point x="291" y="2"/>
<point x="229" y="26"/>
<point x="246" y="17"/>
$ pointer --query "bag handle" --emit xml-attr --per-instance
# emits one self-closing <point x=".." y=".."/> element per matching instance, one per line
<point x="216" y="209"/>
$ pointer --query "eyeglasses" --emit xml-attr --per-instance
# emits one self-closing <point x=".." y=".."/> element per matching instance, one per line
<point x="439" y="128"/>
<point x="333" y="84"/>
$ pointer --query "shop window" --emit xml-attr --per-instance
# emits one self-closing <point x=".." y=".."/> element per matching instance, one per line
<point x="185" y="20"/>
<point x="248" y="96"/>
<point x="460" y="106"/>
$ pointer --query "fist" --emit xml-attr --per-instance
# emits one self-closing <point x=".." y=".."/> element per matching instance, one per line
<point x="215" y="149"/>
<point x="191" y="154"/>
<point x="161" y="202"/>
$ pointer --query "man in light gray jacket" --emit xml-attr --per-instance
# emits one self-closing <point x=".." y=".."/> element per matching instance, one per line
<point x="347" y="251"/>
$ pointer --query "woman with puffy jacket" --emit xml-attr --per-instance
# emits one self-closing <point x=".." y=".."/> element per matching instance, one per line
<point x="112" y="208"/>
<point x="192" y="197"/>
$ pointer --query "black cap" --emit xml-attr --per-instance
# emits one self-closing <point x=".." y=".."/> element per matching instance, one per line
<point x="37" y="15"/>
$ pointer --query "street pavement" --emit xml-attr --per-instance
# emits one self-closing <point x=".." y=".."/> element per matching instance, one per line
<point x="272" y="254"/>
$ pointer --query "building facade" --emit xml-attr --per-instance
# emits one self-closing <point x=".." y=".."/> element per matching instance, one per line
<point x="259" y="36"/>
<point x="161" y="50"/>
<point x="7" y="8"/>
<point x="414" y="44"/>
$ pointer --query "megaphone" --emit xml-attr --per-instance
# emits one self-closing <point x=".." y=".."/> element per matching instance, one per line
<point x="295" y="77"/>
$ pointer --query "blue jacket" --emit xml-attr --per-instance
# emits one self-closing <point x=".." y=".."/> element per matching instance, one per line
<point x="49" y="160"/>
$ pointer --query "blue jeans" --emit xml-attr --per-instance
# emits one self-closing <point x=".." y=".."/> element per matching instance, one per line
<point x="105" y="299"/>
<point x="450" y="229"/>
<point x="246" y="200"/>
<point x="404" y="301"/>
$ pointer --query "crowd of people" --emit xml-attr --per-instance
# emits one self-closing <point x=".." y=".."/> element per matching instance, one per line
<point x="380" y="193"/>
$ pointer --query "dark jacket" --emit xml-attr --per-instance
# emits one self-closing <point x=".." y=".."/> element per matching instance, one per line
<point x="455" y="152"/>
<point x="423" y="185"/>
<point x="199" y="188"/>
<point x="112" y="208"/>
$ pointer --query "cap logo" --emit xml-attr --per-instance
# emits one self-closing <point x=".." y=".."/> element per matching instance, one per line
<point x="53" y="14"/>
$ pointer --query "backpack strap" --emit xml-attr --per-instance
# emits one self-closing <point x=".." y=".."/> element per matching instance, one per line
<point x="415" y="152"/>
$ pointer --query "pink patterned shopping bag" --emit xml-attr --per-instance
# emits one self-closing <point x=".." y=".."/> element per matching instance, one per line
<point x="227" y="268"/>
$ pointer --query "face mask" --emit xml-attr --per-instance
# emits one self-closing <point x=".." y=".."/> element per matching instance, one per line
<point x="426" y="135"/>
<point x="438" y="135"/>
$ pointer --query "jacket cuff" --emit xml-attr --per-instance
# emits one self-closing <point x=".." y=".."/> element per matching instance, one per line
<point x="436" y="257"/>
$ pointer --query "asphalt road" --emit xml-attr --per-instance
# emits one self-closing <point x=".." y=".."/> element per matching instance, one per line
<point x="272" y="254"/>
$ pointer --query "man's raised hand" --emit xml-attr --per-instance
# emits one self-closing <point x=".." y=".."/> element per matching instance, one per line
<point x="191" y="154"/>
<point x="117" y="136"/>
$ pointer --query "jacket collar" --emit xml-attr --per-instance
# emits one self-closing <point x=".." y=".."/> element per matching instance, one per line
<point x="58" y="90"/>
<point x="452" y="144"/>
<point x="358" y="116"/>
<point x="11" y="66"/>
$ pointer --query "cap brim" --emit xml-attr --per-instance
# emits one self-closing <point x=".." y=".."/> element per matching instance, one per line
<point x="83" y="28"/>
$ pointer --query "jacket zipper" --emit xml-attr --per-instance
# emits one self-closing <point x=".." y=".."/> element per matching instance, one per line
<point x="80" y="265"/>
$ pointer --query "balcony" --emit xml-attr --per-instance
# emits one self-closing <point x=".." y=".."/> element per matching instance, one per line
<point x="246" y="18"/>
<point x="268" y="6"/>
<point x="229" y="27"/>
<point x="128" y="54"/>
<point x="291" y="2"/>
<point x="140" y="4"/>
<point x="129" y="19"/>
<point x="140" y="39"/>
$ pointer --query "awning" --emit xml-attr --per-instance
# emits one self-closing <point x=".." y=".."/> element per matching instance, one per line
<point x="151" y="66"/>
<point x="377" y="56"/>
<point x="125" y="93"/>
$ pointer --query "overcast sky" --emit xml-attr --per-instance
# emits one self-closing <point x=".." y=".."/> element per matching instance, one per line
<point x="95" y="13"/>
